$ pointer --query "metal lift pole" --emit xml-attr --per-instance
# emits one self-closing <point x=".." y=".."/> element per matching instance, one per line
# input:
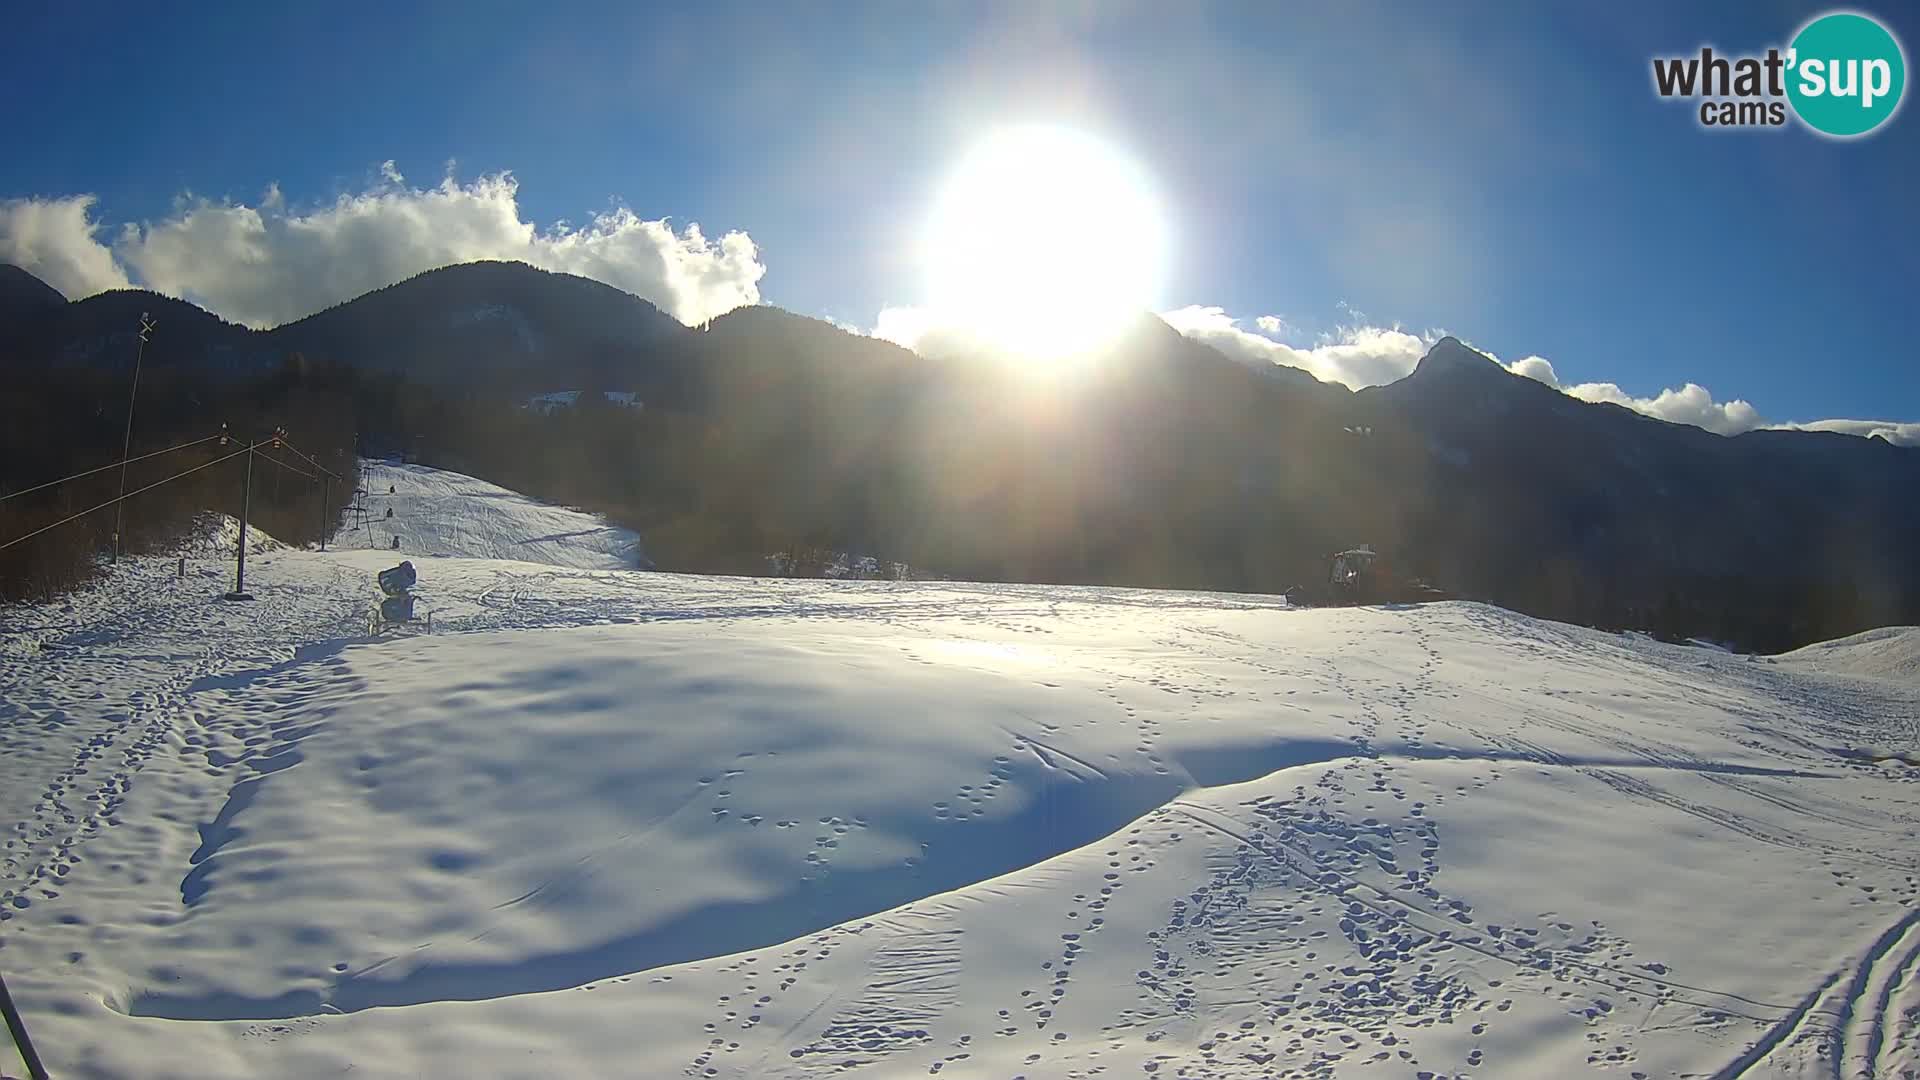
<point x="126" y="441"/>
<point x="240" y="566"/>
<point x="18" y="1029"/>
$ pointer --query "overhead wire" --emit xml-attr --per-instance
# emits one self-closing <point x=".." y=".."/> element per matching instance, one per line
<point x="131" y="494"/>
<point x="256" y="448"/>
<point x="104" y="468"/>
<point x="309" y="460"/>
<point x="284" y="465"/>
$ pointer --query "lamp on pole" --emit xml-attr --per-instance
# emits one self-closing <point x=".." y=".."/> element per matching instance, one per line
<point x="126" y="441"/>
<point x="240" y="559"/>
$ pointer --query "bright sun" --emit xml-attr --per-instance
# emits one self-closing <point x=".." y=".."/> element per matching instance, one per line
<point x="1044" y="242"/>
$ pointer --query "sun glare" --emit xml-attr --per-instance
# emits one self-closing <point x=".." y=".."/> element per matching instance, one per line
<point x="1044" y="242"/>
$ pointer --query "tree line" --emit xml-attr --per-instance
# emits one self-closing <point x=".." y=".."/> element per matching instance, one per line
<point x="57" y="421"/>
<point x="1162" y="466"/>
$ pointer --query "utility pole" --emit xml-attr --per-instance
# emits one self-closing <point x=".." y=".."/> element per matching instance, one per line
<point x="126" y="441"/>
<point x="246" y="503"/>
<point x="326" y="498"/>
<point x="18" y="1029"/>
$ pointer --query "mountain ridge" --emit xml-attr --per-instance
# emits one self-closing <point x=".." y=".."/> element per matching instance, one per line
<point x="1160" y="462"/>
<point x="85" y="331"/>
<point x="21" y="292"/>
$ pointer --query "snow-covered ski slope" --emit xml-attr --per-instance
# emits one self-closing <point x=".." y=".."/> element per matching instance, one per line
<point x="609" y="823"/>
<point x="436" y="512"/>
<point x="1891" y="652"/>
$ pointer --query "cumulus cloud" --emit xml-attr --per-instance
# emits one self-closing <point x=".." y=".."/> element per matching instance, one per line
<point x="54" y="240"/>
<point x="1896" y="432"/>
<point x="1689" y="404"/>
<point x="1537" y="368"/>
<point x="904" y="326"/>
<point x="926" y="332"/>
<point x="1693" y="404"/>
<point x="1354" y="356"/>
<point x="1358" y="356"/>
<point x="268" y="264"/>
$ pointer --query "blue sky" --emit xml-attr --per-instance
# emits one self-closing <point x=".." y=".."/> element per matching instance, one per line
<point x="1503" y="172"/>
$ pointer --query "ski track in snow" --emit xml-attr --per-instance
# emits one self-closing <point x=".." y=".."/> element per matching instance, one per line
<point x="604" y="821"/>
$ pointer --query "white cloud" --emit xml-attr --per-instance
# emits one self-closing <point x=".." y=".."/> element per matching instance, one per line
<point x="1693" y="404"/>
<point x="904" y="326"/>
<point x="1537" y="368"/>
<point x="1689" y="404"/>
<point x="53" y="239"/>
<point x="923" y="331"/>
<point x="1896" y="432"/>
<point x="1354" y="356"/>
<point x="1358" y="356"/>
<point x="267" y="264"/>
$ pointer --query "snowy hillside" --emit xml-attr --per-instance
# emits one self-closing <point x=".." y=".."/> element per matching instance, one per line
<point x="613" y="823"/>
<point x="436" y="512"/>
<point x="1891" y="652"/>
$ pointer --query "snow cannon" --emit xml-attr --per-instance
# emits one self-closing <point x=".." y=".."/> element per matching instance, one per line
<point x="395" y="581"/>
<point x="397" y="608"/>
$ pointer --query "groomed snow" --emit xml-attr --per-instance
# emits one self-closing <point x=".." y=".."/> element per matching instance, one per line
<point x="436" y="512"/>
<point x="614" y="823"/>
<point x="1891" y="652"/>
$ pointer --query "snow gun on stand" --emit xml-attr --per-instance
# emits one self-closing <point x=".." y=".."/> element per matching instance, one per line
<point x="397" y="600"/>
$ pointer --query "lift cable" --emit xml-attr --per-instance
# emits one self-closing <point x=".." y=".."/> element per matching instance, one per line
<point x="104" y="468"/>
<point x="131" y="494"/>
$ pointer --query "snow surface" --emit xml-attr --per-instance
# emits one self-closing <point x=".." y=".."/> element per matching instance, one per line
<point x="220" y="534"/>
<point x="436" y="512"/>
<point x="614" y="823"/>
<point x="1891" y="652"/>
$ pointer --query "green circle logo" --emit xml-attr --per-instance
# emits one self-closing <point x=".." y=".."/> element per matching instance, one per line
<point x="1845" y="74"/>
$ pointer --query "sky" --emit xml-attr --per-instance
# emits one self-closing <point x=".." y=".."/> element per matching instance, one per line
<point x="1338" y="187"/>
